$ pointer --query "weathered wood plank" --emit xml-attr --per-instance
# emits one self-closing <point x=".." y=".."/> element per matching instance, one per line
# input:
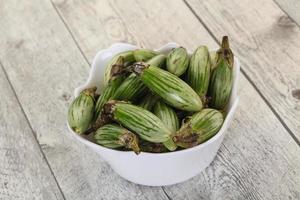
<point x="268" y="44"/>
<point x="291" y="7"/>
<point x="258" y="159"/>
<point x="44" y="65"/>
<point x="141" y="23"/>
<point x="24" y="174"/>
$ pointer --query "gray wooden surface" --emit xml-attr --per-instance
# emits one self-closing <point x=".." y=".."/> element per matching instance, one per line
<point x="47" y="47"/>
<point x="24" y="173"/>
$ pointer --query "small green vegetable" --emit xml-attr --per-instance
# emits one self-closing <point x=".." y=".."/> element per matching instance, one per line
<point x="117" y="77"/>
<point x="170" y="119"/>
<point x="81" y="111"/>
<point x="120" y="60"/>
<point x="113" y="136"/>
<point x="198" y="73"/>
<point x="199" y="128"/>
<point x="169" y="87"/>
<point x="178" y="61"/>
<point x="222" y="77"/>
<point x="167" y="115"/>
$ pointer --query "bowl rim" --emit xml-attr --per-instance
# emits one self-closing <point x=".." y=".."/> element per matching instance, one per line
<point x="225" y="124"/>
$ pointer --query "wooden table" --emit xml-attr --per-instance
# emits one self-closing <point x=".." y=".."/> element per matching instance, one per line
<point x="46" y="48"/>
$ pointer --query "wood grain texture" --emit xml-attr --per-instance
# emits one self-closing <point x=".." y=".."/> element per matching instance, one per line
<point x="291" y="7"/>
<point x="258" y="160"/>
<point x="268" y="44"/>
<point x="44" y="66"/>
<point x="99" y="23"/>
<point x="24" y="174"/>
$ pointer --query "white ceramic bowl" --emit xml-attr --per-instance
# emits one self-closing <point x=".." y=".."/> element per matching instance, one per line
<point x="155" y="169"/>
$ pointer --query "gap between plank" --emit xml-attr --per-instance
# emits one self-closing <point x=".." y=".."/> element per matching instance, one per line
<point x="72" y="36"/>
<point x="68" y="29"/>
<point x="163" y="188"/>
<point x="247" y="77"/>
<point x="33" y="133"/>
<point x="285" y="12"/>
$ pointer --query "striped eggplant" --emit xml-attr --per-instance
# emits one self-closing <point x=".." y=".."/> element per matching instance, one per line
<point x="117" y="77"/>
<point x="142" y="55"/>
<point x="107" y="93"/>
<point x="170" y="119"/>
<point x="169" y="87"/>
<point x="198" y="73"/>
<point x="149" y="101"/>
<point x="222" y="77"/>
<point x="125" y="57"/>
<point x="114" y="136"/>
<point x="199" y="128"/>
<point x="144" y="123"/>
<point x="167" y="115"/>
<point x="177" y="61"/>
<point x="81" y="111"/>
<point x="132" y="86"/>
